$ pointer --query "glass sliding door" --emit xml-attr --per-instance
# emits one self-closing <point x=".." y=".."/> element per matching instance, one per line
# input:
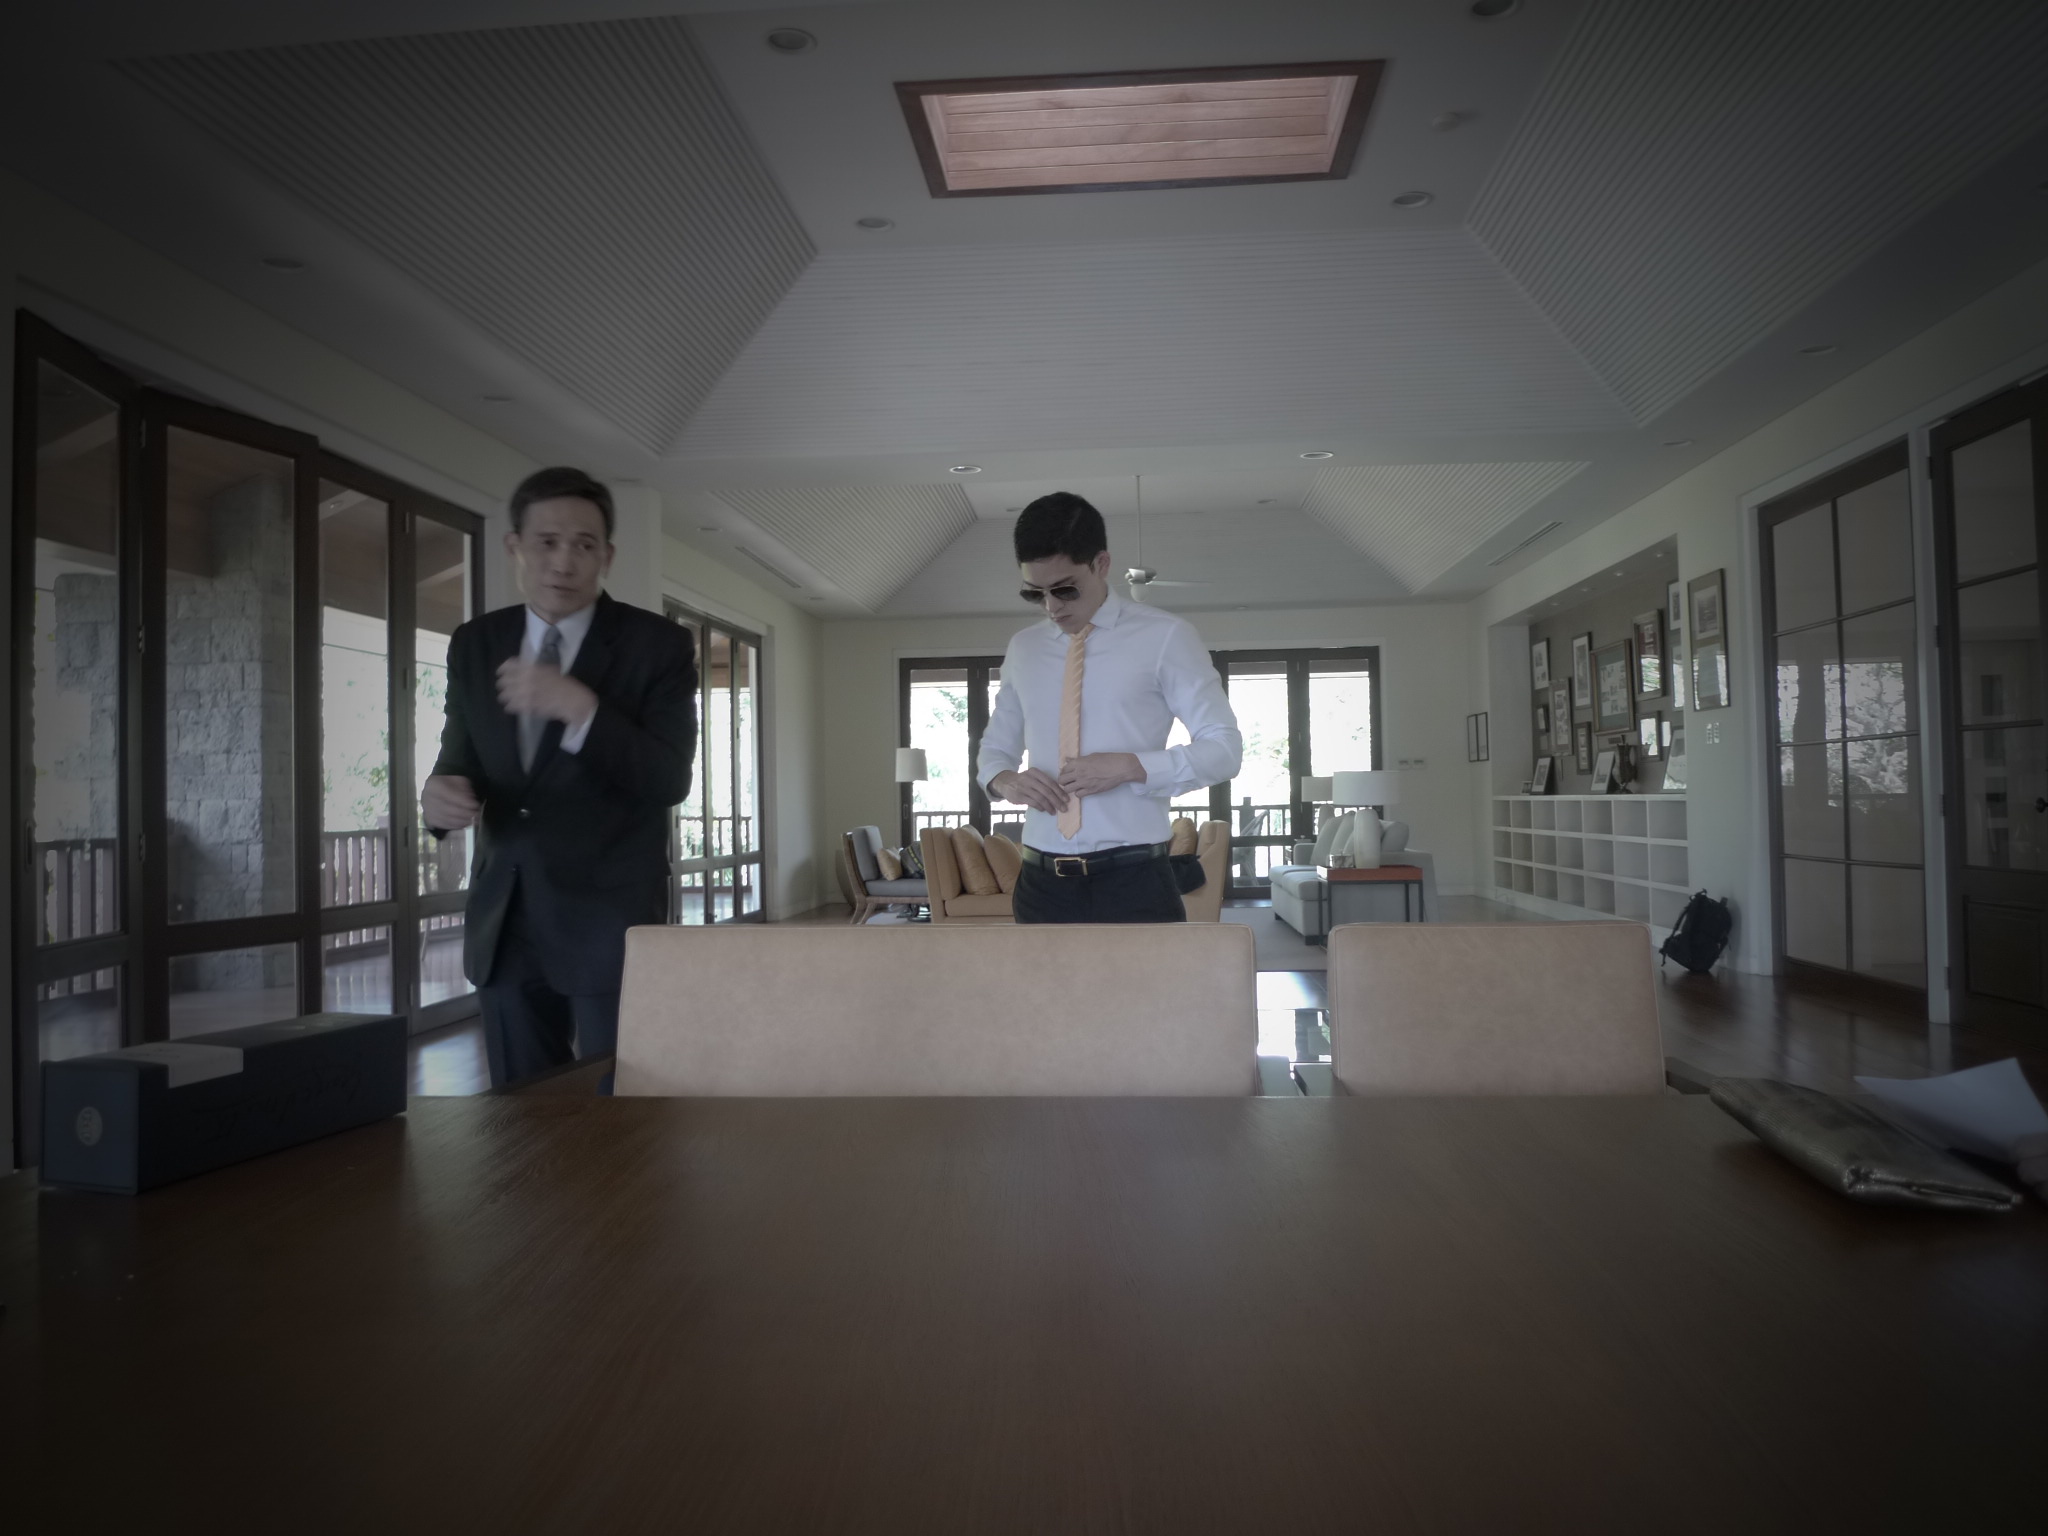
<point x="717" y="849"/>
<point x="441" y="588"/>
<point x="1844" y="658"/>
<point x="943" y="705"/>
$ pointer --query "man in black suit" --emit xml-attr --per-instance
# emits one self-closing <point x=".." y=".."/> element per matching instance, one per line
<point x="572" y="726"/>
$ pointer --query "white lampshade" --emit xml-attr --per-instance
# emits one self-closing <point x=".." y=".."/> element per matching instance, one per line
<point x="1375" y="787"/>
<point x="909" y="764"/>
<point x="1315" y="791"/>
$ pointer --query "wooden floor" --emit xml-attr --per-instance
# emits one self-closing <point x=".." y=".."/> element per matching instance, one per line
<point x="1729" y="1024"/>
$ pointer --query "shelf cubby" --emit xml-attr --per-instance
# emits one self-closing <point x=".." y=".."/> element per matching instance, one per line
<point x="1606" y="855"/>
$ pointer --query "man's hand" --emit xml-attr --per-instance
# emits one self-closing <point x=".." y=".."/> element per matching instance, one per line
<point x="448" y="801"/>
<point x="528" y="688"/>
<point x="1030" y="786"/>
<point x="1097" y="772"/>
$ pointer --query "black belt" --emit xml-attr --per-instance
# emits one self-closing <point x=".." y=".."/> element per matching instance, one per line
<point x="1069" y="866"/>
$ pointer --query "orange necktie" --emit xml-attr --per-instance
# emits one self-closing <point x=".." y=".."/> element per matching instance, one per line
<point x="1070" y="723"/>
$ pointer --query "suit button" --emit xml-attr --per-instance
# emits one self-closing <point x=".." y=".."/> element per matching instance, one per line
<point x="525" y="814"/>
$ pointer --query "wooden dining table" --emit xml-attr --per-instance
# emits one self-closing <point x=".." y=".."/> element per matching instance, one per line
<point x="1004" y="1315"/>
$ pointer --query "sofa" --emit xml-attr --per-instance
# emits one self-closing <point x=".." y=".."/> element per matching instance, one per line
<point x="980" y="894"/>
<point x="1298" y="887"/>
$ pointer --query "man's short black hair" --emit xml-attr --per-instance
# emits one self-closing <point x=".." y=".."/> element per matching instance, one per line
<point x="547" y="484"/>
<point x="1060" y="524"/>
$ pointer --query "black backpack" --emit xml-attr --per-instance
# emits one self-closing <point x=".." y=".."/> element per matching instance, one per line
<point x="1700" y="934"/>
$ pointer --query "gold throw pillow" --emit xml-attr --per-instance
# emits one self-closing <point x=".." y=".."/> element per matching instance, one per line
<point x="1183" y="836"/>
<point x="976" y="878"/>
<point x="892" y="867"/>
<point x="1005" y="858"/>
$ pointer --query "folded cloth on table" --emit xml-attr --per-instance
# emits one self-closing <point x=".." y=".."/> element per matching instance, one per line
<point x="1855" y="1150"/>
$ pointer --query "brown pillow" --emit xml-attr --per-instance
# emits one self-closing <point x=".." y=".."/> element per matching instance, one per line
<point x="1005" y="858"/>
<point x="892" y="866"/>
<point x="976" y="878"/>
<point x="1183" y="836"/>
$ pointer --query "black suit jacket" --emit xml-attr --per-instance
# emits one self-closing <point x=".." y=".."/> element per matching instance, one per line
<point x="584" y="836"/>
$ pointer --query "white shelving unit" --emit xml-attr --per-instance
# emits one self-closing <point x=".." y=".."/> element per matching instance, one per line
<point x="1592" y="855"/>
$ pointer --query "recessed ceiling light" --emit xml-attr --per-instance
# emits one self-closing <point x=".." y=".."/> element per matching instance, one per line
<point x="284" y="263"/>
<point x="1457" y="117"/>
<point x="1013" y="509"/>
<point x="1818" y="349"/>
<point x="1265" y="501"/>
<point x="498" y="399"/>
<point x="1493" y="10"/>
<point x="707" y="528"/>
<point x="1319" y="454"/>
<point x="791" y="40"/>
<point x="1415" y="199"/>
<point x="875" y="221"/>
<point x="1677" y="442"/>
<point x="965" y="469"/>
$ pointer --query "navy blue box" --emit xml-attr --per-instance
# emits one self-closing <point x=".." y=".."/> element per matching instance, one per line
<point x="130" y="1120"/>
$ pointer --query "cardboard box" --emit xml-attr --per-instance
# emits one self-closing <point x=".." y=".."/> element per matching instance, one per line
<point x="130" y="1120"/>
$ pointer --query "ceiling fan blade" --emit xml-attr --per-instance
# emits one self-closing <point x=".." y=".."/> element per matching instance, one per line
<point x="1158" y="582"/>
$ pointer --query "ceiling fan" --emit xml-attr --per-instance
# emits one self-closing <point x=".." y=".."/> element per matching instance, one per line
<point x="1141" y="576"/>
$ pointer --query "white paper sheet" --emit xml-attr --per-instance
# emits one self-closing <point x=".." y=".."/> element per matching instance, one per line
<point x="1984" y="1110"/>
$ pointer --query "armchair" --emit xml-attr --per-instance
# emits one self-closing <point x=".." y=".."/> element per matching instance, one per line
<point x="951" y="901"/>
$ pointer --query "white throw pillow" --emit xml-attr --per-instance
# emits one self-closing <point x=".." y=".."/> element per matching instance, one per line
<point x="1393" y="837"/>
<point x="1334" y="838"/>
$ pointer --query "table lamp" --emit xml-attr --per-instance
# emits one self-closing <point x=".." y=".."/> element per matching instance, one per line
<point x="910" y="765"/>
<point x="1315" y="792"/>
<point x="1372" y="787"/>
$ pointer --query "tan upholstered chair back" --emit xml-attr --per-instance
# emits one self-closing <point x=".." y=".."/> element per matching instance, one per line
<point x="1212" y="846"/>
<point x="1493" y="1008"/>
<point x="750" y="1010"/>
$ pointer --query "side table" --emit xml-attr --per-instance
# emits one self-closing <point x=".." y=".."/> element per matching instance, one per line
<point x="1407" y="876"/>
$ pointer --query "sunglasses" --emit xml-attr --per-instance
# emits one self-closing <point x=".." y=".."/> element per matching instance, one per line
<point x="1065" y="594"/>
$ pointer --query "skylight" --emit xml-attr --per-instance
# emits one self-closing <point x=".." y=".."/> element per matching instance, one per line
<point x="1132" y="132"/>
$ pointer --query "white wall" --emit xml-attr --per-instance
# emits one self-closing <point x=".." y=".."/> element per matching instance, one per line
<point x="1982" y="348"/>
<point x="1428" y="678"/>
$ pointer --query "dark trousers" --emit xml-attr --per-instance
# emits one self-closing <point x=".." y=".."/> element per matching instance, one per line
<point x="529" y="1027"/>
<point x="1130" y="893"/>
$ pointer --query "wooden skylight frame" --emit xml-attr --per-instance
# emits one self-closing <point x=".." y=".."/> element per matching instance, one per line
<point x="1138" y="131"/>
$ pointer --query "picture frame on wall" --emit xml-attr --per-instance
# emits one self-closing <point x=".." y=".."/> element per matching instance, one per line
<point x="1477" y="748"/>
<point x="1710" y="675"/>
<point x="1539" y="781"/>
<point x="1647" y="631"/>
<point x="1650" y="736"/>
<point x="1582" y="670"/>
<point x="1582" y="746"/>
<point x="1542" y="719"/>
<point x="1708" y="609"/>
<point x="1539" y="664"/>
<point x="1603" y="772"/>
<point x="1614" y="698"/>
<point x="1674" y="641"/>
<point x="1560" y="716"/>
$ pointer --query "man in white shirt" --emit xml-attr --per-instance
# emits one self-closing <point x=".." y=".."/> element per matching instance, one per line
<point x="1090" y="696"/>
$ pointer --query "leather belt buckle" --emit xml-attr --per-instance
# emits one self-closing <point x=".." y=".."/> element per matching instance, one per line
<point x="1062" y="859"/>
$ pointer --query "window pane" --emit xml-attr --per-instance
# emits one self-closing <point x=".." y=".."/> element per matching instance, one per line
<point x="1803" y="557"/>
<point x="79" y="1015"/>
<point x="2000" y="650"/>
<point x="1876" y="525"/>
<point x="722" y="894"/>
<point x="441" y="977"/>
<point x="1889" y="940"/>
<point x="938" y="724"/>
<point x="441" y="588"/>
<point x="2002" y="778"/>
<point x="1810" y="685"/>
<point x="1810" y="800"/>
<point x="356" y="971"/>
<point x="749" y="889"/>
<point x="228" y="679"/>
<point x="1816" y="917"/>
<point x="690" y="898"/>
<point x="716" y="754"/>
<point x="74" y="712"/>
<point x="355" y="698"/>
<point x="231" y="988"/>
<point x="1262" y="794"/>
<point x="1884" y="799"/>
<point x="690" y="841"/>
<point x="745" y="698"/>
<point x="1994" y="502"/>
<point x="1881" y="673"/>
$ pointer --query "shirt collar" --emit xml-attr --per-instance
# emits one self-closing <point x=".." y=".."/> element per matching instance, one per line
<point x="574" y="628"/>
<point x="1111" y="610"/>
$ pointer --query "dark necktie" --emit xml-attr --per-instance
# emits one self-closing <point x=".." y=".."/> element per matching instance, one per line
<point x="532" y="727"/>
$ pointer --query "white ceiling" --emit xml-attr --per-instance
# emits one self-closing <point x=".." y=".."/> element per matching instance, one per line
<point x="642" y="228"/>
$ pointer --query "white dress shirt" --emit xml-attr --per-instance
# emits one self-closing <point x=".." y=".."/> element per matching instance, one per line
<point x="574" y="629"/>
<point x="1143" y="668"/>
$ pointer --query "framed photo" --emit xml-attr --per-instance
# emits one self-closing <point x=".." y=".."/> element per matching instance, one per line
<point x="1539" y="664"/>
<point x="1560" y="716"/>
<point x="1582" y="670"/>
<point x="1582" y="746"/>
<point x="1603" y="771"/>
<point x="1477" y="748"/>
<point x="1650" y="736"/>
<point x="1674" y="642"/>
<point x="1710" y="675"/>
<point x="1539" y="781"/>
<point x="1542" y="719"/>
<point x="1647" y="630"/>
<point x="1708" y="616"/>
<point x="1614" y="695"/>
